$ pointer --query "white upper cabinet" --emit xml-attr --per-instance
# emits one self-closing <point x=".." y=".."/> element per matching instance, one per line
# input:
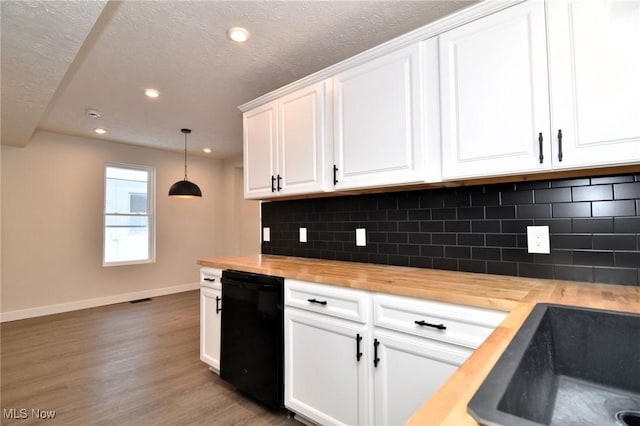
<point x="301" y="140"/>
<point x="594" y="72"/>
<point x="260" y="136"/>
<point x="378" y="122"/>
<point x="493" y="76"/>
<point x="511" y="106"/>
<point x="285" y="144"/>
<point x="503" y="87"/>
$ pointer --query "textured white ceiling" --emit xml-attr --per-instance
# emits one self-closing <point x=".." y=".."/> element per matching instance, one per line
<point x="40" y="41"/>
<point x="83" y="54"/>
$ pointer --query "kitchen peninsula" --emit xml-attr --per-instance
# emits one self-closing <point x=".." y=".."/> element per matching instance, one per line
<point x="514" y="295"/>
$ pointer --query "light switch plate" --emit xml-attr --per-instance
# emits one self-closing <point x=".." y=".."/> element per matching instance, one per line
<point x="361" y="237"/>
<point x="303" y="235"/>
<point x="266" y="234"/>
<point x="538" y="239"/>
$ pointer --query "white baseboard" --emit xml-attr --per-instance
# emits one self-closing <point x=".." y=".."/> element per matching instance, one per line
<point x="92" y="303"/>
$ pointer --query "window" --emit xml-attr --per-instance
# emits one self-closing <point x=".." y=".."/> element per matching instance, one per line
<point x="129" y="221"/>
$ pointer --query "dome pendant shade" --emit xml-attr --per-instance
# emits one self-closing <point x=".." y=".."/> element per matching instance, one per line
<point x="184" y="188"/>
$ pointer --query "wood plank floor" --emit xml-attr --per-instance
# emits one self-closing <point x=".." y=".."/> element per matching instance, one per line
<point x="123" y="364"/>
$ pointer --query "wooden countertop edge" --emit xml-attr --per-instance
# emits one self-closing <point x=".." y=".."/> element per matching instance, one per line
<point x="518" y="296"/>
<point x="498" y="292"/>
<point x="448" y="406"/>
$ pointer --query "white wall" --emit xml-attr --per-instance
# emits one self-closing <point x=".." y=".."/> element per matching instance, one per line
<point x="52" y="205"/>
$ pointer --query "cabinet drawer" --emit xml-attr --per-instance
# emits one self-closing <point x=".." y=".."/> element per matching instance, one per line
<point x="210" y="277"/>
<point x="329" y="300"/>
<point x="461" y="325"/>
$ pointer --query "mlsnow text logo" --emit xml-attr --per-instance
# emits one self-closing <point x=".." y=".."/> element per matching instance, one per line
<point x="23" y="413"/>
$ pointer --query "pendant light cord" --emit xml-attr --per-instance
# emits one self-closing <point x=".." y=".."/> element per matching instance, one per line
<point x="185" y="156"/>
<point x="186" y="132"/>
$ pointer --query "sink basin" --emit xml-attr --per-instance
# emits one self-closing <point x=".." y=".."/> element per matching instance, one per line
<point x="565" y="366"/>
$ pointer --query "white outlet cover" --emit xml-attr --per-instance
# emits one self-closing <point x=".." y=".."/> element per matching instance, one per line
<point x="538" y="239"/>
<point x="303" y="235"/>
<point x="361" y="237"/>
<point x="266" y="234"/>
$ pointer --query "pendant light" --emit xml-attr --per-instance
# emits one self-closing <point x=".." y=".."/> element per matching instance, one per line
<point x="184" y="188"/>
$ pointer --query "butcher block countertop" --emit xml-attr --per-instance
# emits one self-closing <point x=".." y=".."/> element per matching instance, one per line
<point x="512" y="294"/>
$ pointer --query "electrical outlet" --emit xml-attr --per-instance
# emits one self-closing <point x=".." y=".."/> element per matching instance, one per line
<point x="538" y="239"/>
<point x="303" y="235"/>
<point x="266" y="234"/>
<point x="361" y="237"/>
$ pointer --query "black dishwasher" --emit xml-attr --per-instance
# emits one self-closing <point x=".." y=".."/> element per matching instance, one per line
<point x="252" y="348"/>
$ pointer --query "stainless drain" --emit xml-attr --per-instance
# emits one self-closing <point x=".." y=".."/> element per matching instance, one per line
<point x="628" y="417"/>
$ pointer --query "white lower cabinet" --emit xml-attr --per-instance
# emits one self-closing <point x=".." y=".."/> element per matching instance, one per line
<point x="210" y="317"/>
<point x="354" y="357"/>
<point x="324" y="381"/>
<point x="418" y="344"/>
<point x="409" y="369"/>
<point x="326" y="378"/>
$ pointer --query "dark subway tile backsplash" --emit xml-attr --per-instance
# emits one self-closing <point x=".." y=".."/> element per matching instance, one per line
<point x="594" y="225"/>
<point x="593" y="193"/>
<point x="613" y="208"/>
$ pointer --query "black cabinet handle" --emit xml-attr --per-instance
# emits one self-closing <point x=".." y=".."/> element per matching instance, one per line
<point x="210" y="279"/>
<point x="376" y="360"/>
<point x="218" y="308"/>
<point x="279" y="179"/>
<point x="540" y="142"/>
<point x="335" y="174"/>
<point x="438" y="326"/>
<point x="319" y="302"/>
<point x="559" y="144"/>
<point x="358" y="353"/>
<point x="273" y="183"/>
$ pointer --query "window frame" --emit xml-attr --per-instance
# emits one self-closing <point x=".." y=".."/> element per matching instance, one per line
<point x="151" y="210"/>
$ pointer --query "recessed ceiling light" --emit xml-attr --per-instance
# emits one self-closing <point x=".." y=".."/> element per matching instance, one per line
<point x="207" y="150"/>
<point x="152" y="93"/>
<point x="100" y="131"/>
<point x="238" y="34"/>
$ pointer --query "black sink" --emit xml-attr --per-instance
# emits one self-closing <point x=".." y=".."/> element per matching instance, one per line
<point x="565" y="366"/>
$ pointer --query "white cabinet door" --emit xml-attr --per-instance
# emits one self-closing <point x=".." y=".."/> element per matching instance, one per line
<point x="210" y="304"/>
<point x="409" y="370"/>
<point x="260" y="138"/>
<point x="494" y="94"/>
<point x="594" y="61"/>
<point x="285" y="145"/>
<point x="324" y="381"/>
<point x="378" y="122"/>
<point x="301" y="141"/>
